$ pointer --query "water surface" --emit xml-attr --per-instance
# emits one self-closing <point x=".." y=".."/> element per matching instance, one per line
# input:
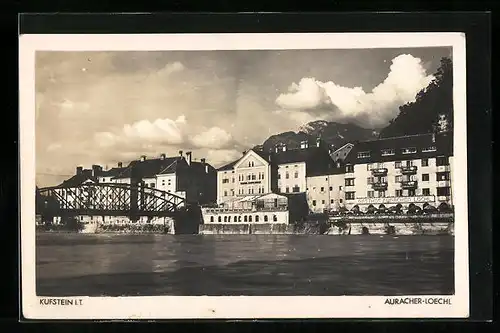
<point x="119" y="265"/>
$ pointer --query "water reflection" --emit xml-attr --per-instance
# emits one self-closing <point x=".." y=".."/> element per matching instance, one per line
<point x="243" y="265"/>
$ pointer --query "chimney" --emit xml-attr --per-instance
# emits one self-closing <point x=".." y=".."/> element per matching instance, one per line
<point x="162" y="156"/>
<point x="120" y="164"/>
<point x="79" y="170"/>
<point x="243" y="152"/>
<point x="143" y="158"/>
<point x="96" y="169"/>
<point x="180" y="153"/>
<point x="188" y="155"/>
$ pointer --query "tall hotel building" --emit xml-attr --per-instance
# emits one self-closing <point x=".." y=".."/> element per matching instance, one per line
<point x="411" y="169"/>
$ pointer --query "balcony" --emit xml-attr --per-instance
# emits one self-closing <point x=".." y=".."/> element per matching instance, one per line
<point x="443" y="168"/>
<point x="379" y="186"/>
<point x="409" y="170"/>
<point x="379" y="172"/>
<point x="409" y="185"/>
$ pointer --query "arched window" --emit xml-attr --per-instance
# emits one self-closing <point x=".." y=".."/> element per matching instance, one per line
<point x="220" y="219"/>
<point x="275" y="218"/>
<point x="250" y="218"/>
<point x="229" y="218"/>
<point x="256" y="218"/>
<point x="237" y="219"/>
<point x="245" y="218"/>
<point x="249" y="164"/>
<point x="265" y="218"/>
<point x="211" y="219"/>
<point x="225" y="218"/>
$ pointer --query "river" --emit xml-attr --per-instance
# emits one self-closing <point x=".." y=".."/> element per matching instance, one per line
<point x="256" y="265"/>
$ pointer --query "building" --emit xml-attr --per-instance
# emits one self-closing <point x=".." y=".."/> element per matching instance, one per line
<point x="410" y="169"/>
<point x="280" y="170"/>
<point x="325" y="189"/>
<point x="194" y="181"/>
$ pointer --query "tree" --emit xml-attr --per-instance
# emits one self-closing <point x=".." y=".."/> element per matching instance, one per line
<point x="431" y="104"/>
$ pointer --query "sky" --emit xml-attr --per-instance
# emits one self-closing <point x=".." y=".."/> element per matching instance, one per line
<point x="109" y="107"/>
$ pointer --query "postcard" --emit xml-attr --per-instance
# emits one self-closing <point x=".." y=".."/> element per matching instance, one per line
<point x="243" y="176"/>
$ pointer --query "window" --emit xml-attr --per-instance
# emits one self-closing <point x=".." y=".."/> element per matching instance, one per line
<point x="152" y="185"/>
<point x="219" y="219"/>
<point x="381" y="194"/>
<point x="340" y="200"/>
<point x="211" y="219"/>
<point x="331" y="201"/>
<point x="340" y="188"/>
<point x="443" y="191"/>
<point x="349" y="182"/>
<point x="349" y="168"/>
<point x="296" y="175"/>
<point x="225" y="193"/>
<point x="265" y="218"/>
<point x="363" y="154"/>
<point x="287" y="190"/>
<point x="425" y="177"/>
<point x="399" y="179"/>
<point x="411" y="193"/>
<point x="429" y="149"/>
<point x="287" y="176"/>
<point x="322" y="189"/>
<point x="411" y="150"/>
<point x="409" y="163"/>
<point x="250" y="218"/>
<point x="163" y="182"/>
<point x="397" y="164"/>
<point x="442" y="176"/>
<point x="425" y="162"/>
<point x="349" y="195"/>
<point x="249" y="177"/>
<point x="245" y="218"/>
<point x="225" y="218"/>
<point x="296" y="188"/>
<point x="233" y="179"/>
<point x="387" y="152"/>
<point x="426" y="191"/>
<point x="331" y="188"/>
<point x="314" y="203"/>
<point x="253" y="177"/>
<point x="369" y="166"/>
<point x="225" y="181"/>
<point x="279" y="175"/>
<point x="369" y="180"/>
<point x="322" y="202"/>
<point x="442" y="160"/>
<point x="370" y="194"/>
<point x="256" y="218"/>
<point x="229" y="218"/>
<point x="275" y="218"/>
<point x="399" y="193"/>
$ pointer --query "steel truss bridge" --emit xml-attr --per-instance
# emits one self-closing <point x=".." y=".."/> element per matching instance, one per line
<point x="110" y="199"/>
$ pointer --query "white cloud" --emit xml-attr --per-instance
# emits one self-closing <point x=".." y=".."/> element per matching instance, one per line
<point x="214" y="137"/>
<point x="161" y="130"/>
<point x="219" y="157"/>
<point x="406" y="78"/>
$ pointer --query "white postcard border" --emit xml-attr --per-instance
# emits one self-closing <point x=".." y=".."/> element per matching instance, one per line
<point x="208" y="307"/>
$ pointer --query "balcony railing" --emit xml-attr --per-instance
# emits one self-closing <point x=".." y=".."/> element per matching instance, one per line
<point x="408" y="185"/>
<point x="379" y="172"/>
<point x="408" y="170"/>
<point x="379" y="186"/>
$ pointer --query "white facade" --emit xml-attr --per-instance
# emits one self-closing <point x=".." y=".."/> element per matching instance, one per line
<point x="292" y="177"/>
<point x="410" y="181"/>
<point x="251" y="175"/>
<point x="325" y="192"/>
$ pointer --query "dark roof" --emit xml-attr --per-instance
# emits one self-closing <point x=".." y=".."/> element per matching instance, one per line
<point x="148" y="168"/>
<point x="113" y="172"/>
<point x="317" y="159"/>
<point x="420" y="142"/>
<point x="78" y="179"/>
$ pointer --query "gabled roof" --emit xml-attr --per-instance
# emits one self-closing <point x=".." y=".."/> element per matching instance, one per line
<point x="113" y="172"/>
<point x="420" y="142"/>
<point x="148" y="168"/>
<point x="78" y="179"/>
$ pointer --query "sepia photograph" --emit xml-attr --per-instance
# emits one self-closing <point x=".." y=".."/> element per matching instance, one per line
<point x="228" y="172"/>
